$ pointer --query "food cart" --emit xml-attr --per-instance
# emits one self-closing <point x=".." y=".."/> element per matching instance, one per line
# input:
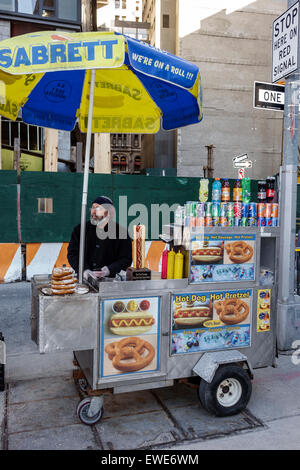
<point x="144" y="334"/>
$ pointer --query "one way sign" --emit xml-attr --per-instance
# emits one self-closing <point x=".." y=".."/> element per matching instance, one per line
<point x="268" y="96"/>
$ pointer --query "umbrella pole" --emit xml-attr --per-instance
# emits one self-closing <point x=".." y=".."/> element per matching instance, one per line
<point x="86" y="176"/>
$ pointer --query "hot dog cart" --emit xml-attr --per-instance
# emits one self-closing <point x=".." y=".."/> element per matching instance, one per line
<point x="217" y="325"/>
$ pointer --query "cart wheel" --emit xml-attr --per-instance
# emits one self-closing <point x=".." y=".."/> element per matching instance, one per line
<point x="228" y="393"/>
<point x="83" y="412"/>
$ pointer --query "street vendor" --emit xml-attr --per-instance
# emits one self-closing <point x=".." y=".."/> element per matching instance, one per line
<point x="108" y="247"/>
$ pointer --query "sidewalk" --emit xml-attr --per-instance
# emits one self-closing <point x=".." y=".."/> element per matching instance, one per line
<point x="38" y="409"/>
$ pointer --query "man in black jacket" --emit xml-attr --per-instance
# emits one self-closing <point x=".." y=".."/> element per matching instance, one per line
<point x="108" y="247"/>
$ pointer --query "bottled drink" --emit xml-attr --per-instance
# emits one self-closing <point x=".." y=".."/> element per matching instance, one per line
<point x="216" y="190"/>
<point x="246" y="189"/>
<point x="237" y="191"/>
<point x="225" y="190"/>
<point x="270" y="188"/>
<point x="203" y="190"/>
<point x="262" y="191"/>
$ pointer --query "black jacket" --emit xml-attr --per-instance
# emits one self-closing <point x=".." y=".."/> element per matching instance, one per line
<point x="115" y="253"/>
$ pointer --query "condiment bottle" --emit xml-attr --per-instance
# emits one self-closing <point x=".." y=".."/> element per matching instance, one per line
<point x="203" y="190"/>
<point x="178" y="267"/>
<point x="164" y="263"/>
<point x="216" y="190"/>
<point x="270" y="188"/>
<point x="237" y="191"/>
<point x="171" y="262"/>
<point x="225" y="191"/>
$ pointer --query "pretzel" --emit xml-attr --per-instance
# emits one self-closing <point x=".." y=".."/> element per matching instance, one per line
<point x="232" y="311"/>
<point x="130" y="348"/>
<point x="63" y="287"/>
<point x="59" y="273"/>
<point x="62" y="291"/>
<point x="239" y="252"/>
<point x="63" y="282"/>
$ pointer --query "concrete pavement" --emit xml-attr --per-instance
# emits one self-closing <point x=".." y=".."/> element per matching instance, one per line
<point x="38" y="408"/>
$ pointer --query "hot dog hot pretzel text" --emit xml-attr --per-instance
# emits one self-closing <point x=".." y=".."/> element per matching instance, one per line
<point x="121" y="352"/>
<point x="232" y="311"/>
<point x="239" y="252"/>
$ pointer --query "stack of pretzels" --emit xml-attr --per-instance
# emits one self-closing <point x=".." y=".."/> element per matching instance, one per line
<point x="63" y="281"/>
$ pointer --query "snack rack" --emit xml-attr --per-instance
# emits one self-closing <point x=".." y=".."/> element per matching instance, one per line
<point x="80" y="323"/>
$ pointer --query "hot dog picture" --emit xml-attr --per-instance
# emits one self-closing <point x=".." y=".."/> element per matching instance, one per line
<point x="208" y="253"/>
<point x="192" y="316"/>
<point x="129" y="323"/>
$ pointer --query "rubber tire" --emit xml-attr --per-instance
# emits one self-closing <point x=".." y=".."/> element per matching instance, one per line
<point x="82" y="409"/>
<point x="208" y="391"/>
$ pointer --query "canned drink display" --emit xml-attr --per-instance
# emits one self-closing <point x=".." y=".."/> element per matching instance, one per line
<point x="246" y="189"/>
<point x="200" y="209"/>
<point x="223" y="209"/>
<point x="208" y="221"/>
<point x="274" y="210"/>
<point x="237" y="209"/>
<point x="237" y="221"/>
<point x="200" y="221"/>
<point x="261" y="221"/>
<point x="216" y="209"/>
<point x="268" y="210"/>
<point x="268" y="222"/>
<point x="208" y="209"/>
<point x="251" y="221"/>
<point x="244" y="222"/>
<point x="230" y="210"/>
<point x="274" y="221"/>
<point x="252" y="209"/>
<point x="244" y="209"/>
<point x="215" y="221"/>
<point x="230" y="221"/>
<point x="261" y="210"/>
<point x="223" y="221"/>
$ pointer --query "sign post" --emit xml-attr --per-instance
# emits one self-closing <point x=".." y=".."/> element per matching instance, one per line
<point x="285" y="64"/>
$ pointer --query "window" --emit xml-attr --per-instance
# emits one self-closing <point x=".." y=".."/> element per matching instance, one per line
<point x="117" y="3"/>
<point x="45" y="205"/>
<point x="124" y="4"/>
<point x="8" y="5"/>
<point x="166" y="21"/>
<point x="67" y="10"/>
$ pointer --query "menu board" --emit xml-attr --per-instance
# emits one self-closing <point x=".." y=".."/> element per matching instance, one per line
<point x="222" y="258"/>
<point x="205" y="321"/>
<point x="129" y="335"/>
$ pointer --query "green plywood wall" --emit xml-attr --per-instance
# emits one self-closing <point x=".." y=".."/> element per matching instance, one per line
<point x="65" y="189"/>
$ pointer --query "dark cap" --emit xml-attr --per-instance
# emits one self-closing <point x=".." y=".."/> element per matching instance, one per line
<point x="102" y="200"/>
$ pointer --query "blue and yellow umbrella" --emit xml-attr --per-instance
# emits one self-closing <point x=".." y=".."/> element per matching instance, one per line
<point x="109" y="82"/>
<point x="48" y="76"/>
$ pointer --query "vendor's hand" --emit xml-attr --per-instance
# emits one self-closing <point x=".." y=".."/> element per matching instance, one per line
<point x="103" y="273"/>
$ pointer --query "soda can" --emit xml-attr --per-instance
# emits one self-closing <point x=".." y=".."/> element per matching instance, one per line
<point x="237" y="209"/>
<point x="274" y="210"/>
<point x="268" y="222"/>
<point x="275" y="221"/>
<point x="223" y="209"/>
<point x="244" y="222"/>
<point x="215" y="221"/>
<point x="200" y="221"/>
<point x="194" y="221"/>
<point x="251" y="221"/>
<point x="261" y="221"/>
<point x="261" y="210"/>
<point x="223" y="221"/>
<point x="216" y="209"/>
<point x="237" y="221"/>
<point x="230" y="221"/>
<point x="230" y="210"/>
<point x="208" y="209"/>
<point x="268" y="210"/>
<point x="252" y="209"/>
<point x="244" y="209"/>
<point x="200" y="209"/>
<point x="208" y="221"/>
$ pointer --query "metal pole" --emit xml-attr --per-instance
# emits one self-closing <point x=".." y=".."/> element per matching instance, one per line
<point x="86" y="175"/>
<point x="288" y="313"/>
